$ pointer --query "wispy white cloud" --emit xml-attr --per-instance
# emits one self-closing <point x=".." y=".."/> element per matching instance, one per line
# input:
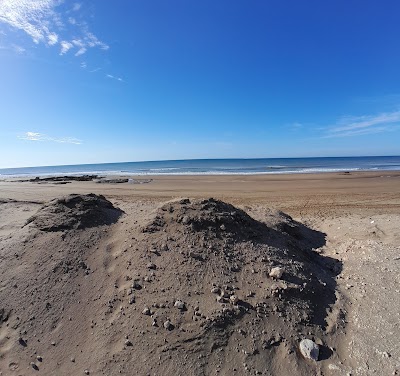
<point x="92" y="41"/>
<point x="52" y="39"/>
<point x="81" y="51"/>
<point x="114" y="78"/>
<point x="72" y="20"/>
<point x="41" y="20"/>
<point x="296" y="125"/>
<point x="65" y="47"/>
<point x="28" y="15"/>
<point x="76" y="7"/>
<point x="18" y="49"/>
<point x="361" y="125"/>
<point x="13" y="47"/>
<point x="83" y="65"/>
<point x="34" y="136"/>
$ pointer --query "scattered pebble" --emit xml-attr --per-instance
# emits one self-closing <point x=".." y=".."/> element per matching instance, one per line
<point x="136" y="285"/>
<point x="309" y="349"/>
<point x="180" y="305"/>
<point x="146" y="311"/>
<point x="168" y="325"/>
<point x="221" y="299"/>
<point x="276" y="272"/>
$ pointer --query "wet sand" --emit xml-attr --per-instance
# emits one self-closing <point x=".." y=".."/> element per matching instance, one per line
<point x="297" y="193"/>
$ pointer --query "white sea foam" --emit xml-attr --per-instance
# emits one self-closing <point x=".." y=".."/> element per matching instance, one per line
<point x="208" y="167"/>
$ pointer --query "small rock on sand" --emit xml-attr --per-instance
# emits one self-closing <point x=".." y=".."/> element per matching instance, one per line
<point x="168" y="325"/>
<point x="276" y="272"/>
<point x="180" y="305"/>
<point x="146" y="311"/>
<point x="309" y="349"/>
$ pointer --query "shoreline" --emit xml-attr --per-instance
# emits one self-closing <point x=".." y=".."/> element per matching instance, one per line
<point x="195" y="175"/>
<point x="191" y="174"/>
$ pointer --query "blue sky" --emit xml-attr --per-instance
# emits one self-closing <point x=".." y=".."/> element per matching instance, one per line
<point x="102" y="81"/>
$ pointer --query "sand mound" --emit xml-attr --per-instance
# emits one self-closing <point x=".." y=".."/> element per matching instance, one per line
<point x="213" y="218"/>
<point x="214" y="235"/>
<point x="238" y="275"/>
<point x="201" y="289"/>
<point x="75" y="212"/>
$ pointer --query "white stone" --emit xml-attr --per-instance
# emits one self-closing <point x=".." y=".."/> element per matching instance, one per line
<point x="309" y="349"/>
<point x="276" y="272"/>
<point x="168" y="325"/>
<point x="179" y="304"/>
<point x="146" y="311"/>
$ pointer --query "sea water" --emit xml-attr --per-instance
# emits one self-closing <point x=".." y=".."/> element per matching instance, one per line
<point x="216" y="167"/>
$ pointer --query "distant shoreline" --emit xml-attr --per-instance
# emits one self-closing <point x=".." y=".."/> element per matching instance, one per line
<point x="133" y="176"/>
<point x="215" y="167"/>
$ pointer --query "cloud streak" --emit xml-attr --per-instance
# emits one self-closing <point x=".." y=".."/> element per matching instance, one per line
<point x="362" y="125"/>
<point x="41" y="20"/>
<point x="34" y="136"/>
<point x="114" y="78"/>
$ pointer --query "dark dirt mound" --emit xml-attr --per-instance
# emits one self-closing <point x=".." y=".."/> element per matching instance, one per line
<point x="221" y="235"/>
<point x="75" y="212"/>
<point x="214" y="218"/>
<point x="202" y="289"/>
<point x="224" y="262"/>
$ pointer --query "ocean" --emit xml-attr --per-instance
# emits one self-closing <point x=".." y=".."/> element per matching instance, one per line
<point x="216" y="167"/>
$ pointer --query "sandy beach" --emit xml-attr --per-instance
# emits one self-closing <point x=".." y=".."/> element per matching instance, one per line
<point x="76" y="278"/>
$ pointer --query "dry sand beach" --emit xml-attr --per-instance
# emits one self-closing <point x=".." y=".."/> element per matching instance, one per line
<point x="157" y="278"/>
